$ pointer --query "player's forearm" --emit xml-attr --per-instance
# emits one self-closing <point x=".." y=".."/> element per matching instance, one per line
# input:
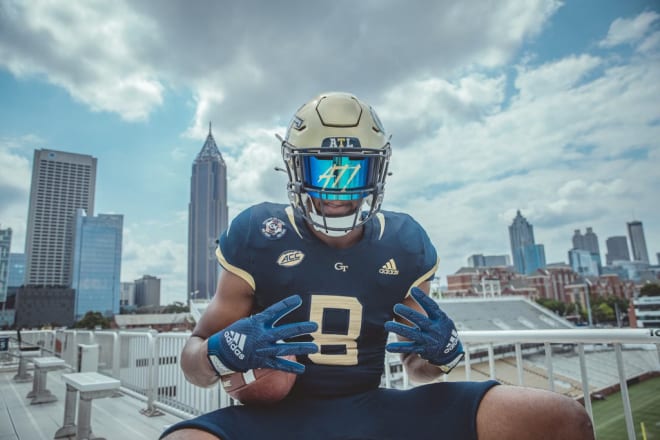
<point x="195" y="363"/>
<point x="419" y="370"/>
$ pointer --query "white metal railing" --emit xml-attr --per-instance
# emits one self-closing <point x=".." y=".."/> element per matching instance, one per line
<point x="148" y="363"/>
<point x="578" y="337"/>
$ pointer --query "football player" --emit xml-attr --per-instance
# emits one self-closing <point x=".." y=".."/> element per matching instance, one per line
<point x="326" y="278"/>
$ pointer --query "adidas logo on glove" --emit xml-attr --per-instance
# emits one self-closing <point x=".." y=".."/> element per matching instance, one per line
<point x="236" y="342"/>
<point x="453" y="341"/>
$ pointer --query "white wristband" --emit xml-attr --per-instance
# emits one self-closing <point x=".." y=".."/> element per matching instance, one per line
<point x="219" y="368"/>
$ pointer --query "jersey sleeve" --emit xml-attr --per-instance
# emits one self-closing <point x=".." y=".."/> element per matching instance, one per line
<point x="419" y="244"/>
<point x="429" y="259"/>
<point x="231" y="251"/>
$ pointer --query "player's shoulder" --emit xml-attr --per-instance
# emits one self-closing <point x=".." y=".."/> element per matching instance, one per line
<point x="402" y="228"/>
<point x="399" y="222"/>
<point x="260" y="224"/>
<point x="258" y="214"/>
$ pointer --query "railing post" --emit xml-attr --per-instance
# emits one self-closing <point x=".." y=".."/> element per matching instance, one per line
<point x="116" y="356"/>
<point x="548" y="365"/>
<point x="153" y="366"/>
<point x="491" y="361"/>
<point x="519" y="365"/>
<point x="468" y="367"/>
<point x="585" y="382"/>
<point x="627" y="410"/>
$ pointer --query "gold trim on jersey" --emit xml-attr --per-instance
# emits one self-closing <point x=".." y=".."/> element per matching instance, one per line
<point x="233" y="269"/>
<point x="424" y="277"/>
<point x="292" y="219"/>
<point x="381" y="221"/>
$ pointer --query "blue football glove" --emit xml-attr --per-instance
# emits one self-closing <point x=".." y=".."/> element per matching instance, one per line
<point x="433" y="338"/>
<point x="252" y="342"/>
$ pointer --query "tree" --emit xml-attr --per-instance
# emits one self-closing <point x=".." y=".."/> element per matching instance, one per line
<point x="650" y="289"/>
<point x="92" y="320"/>
<point x="556" y="306"/>
<point x="176" y="307"/>
<point x="603" y="312"/>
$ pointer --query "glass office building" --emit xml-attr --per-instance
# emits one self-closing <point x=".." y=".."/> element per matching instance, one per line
<point x="97" y="263"/>
<point x="527" y="255"/>
<point x="16" y="275"/>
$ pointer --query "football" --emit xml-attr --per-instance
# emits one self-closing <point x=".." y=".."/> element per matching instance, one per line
<point x="261" y="386"/>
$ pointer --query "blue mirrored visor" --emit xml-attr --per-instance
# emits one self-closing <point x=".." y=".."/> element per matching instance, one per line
<point x="338" y="177"/>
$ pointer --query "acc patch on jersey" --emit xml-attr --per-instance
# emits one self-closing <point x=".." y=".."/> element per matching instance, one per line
<point x="273" y="228"/>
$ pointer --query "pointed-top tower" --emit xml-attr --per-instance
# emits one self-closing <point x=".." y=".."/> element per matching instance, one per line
<point x="207" y="218"/>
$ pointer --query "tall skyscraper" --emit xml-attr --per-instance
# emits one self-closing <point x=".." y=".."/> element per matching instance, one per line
<point x="586" y="242"/>
<point x="617" y="249"/>
<point x="527" y="255"/>
<point x="97" y="244"/>
<point x="5" y="247"/>
<point x="207" y="218"/>
<point x="61" y="183"/>
<point x="638" y="242"/>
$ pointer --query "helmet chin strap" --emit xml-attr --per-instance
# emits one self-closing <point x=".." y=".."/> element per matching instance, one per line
<point x="344" y="224"/>
<point x="341" y="226"/>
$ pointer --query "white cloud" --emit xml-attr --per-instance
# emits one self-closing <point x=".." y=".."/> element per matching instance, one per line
<point x="650" y="43"/>
<point x="91" y="49"/>
<point x="15" y="177"/>
<point x="162" y="258"/>
<point x="577" y="146"/>
<point x="554" y="77"/>
<point x="629" y="31"/>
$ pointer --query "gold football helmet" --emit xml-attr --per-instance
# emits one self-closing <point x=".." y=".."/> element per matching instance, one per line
<point x="336" y="149"/>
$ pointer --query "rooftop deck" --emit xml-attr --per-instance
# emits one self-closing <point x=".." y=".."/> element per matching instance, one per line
<point x="154" y="394"/>
<point x="112" y="418"/>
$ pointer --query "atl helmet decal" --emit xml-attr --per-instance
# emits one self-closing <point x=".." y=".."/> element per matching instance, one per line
<point x="273" y="228"/>
<point x="341" y="142"/>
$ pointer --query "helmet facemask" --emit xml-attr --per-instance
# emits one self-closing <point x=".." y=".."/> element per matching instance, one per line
<point x="342" y="174"/>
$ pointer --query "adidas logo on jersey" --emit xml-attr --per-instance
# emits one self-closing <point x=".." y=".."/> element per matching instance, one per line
<point x="236" y="342"/>
<point x="389" y="268"/>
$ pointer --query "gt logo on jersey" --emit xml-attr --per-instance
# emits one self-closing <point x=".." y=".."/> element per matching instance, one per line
<point x="389" y="268"/>
<point x="340" y="266"/>
<point x="290" y="258"/>
<point x="273" y="228"/>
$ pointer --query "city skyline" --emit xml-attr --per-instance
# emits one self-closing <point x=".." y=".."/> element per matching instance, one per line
<point x="503" y="107"/>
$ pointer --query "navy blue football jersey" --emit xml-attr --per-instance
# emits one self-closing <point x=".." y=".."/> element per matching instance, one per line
<point x="350" y="292"/>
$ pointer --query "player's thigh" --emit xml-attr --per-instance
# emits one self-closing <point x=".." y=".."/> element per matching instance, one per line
<point x="510" y="412"/>
<point x="190" y="434"/>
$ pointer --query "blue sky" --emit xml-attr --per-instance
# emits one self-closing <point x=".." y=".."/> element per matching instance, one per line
<point x="544" y="106"/>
